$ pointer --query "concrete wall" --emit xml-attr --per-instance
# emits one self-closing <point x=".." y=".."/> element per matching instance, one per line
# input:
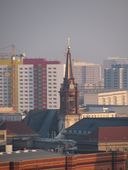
<point x="90" y="98"/>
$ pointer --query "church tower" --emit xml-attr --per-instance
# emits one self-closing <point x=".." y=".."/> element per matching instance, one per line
<point x="68" y="97"/>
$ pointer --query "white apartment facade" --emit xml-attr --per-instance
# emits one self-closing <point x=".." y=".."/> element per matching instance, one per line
<point x="25" y="87"/>
<point x="55" y="75"/>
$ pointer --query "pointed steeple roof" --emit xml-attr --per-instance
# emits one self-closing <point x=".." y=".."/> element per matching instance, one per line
<point x="68" y="90"/>
<point x="68" y="71"/>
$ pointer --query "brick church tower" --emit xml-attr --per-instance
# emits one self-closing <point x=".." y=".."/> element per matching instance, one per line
<point x="68" y="97"/>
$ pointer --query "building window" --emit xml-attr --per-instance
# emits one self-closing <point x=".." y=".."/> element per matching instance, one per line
<point x="115" y="99"/>
<point x="2" y="137"/>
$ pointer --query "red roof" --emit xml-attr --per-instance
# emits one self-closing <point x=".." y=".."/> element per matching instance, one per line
<point x="16" y="128"/>
<point x="113" y="134"/>
<point x="37" y="61"/>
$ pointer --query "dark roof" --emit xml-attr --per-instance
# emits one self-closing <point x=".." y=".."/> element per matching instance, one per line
<point x="27" y="155"/>
<point x="16" y="128"/>
<point x="42" y="121"/>
<point x="113" y="134"/>
<point x="92" y="124"/>
<point x="48" y="123"/>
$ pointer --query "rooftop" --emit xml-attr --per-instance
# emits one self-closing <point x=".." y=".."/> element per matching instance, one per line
<point x="16" y="128"/>
<point x="92" y="124"/>
<point x="106" y="136"/>
<point x="27" y="155"/>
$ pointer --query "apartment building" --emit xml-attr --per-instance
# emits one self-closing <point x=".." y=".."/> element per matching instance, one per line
<point x="25" y="83"/>
<point x="88" y="78"/>
<point x="8" y="81"/>
<point x="116" y="77"/>
<point x="55" y="75"/>
<point x="87" y="74"/>
<point x="48" y="76"/>
<point x="25" y="87"/>
<point x="5" y="86"/>
<point x="113" y="61"/>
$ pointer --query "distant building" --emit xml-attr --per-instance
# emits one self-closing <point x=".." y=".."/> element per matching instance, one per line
<point x="114" y="61"/>
<point x="55" y="75"/>
<point x="10" y="117"/>
<point x="9" y="114"/>
<point x="25" y="88"/>
<point x="119" y="110"/>
<point x="17" y="130"/>
<point x="9" y="81"/>
<point x="113" y="138"/>
<point x="40" y="159"/>
<point x="7" y="110"/>
<point x="5" y="86"/>
<point x="116" y="77"/>
<point x="47" y="78"/>
<point x="88" y="78"/>
<point x="113" y="98"/>
<point x="87" y="74"/>
<point x="103" y="114"/>
<point x="25" y="83"/>
<point x="99" y="134"/>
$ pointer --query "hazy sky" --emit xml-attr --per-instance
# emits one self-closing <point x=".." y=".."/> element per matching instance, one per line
<point x="98" y="28"/>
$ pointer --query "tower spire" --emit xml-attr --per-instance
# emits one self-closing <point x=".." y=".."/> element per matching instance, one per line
<point x="68" y="71"/>
<point x="69" y="113"/>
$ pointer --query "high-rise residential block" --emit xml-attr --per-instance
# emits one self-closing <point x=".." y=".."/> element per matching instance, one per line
<point x="87" y="74"/>
<point x="55" y="75"/>
<point x="48" y="75"/>
<point x="5" y="86"/>
<point x="25" y="87"/>
<point x="113" y="61"/>
<point x="116" y="77"/>
<point x="25" y="83"/>
<point x="9" y="81"/>
<point x="88" y="78"/>
<point x="40" y="82"/>
<point x="107" y="64"/>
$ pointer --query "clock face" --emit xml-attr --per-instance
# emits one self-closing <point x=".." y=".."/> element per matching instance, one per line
<point x="71" y="86"/>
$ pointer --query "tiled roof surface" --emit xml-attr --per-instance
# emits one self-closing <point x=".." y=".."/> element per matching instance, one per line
<point x="113" y="134"/>
<point x="42" y="121"/>
<point x="92" y="124"/>
<point x="17" y="127"/>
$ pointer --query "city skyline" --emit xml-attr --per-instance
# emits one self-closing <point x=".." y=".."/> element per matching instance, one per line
<point x="98" y="29"/>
